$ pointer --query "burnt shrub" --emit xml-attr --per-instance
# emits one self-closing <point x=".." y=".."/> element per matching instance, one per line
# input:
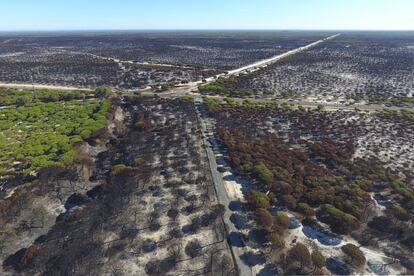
<point x="149" y="245"/>
<point x="159" y="267"/>
<point x="173" y="213"/>
<point x="193" y="248"/>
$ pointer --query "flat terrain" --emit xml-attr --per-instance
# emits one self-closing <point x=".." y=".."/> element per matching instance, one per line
<point x="42" y="135"/>
<point x="207" y="153"/>
<point x="288" y="155"/>
<point x="137" y="60"/>
<point x="141" y="203"/>
<point x="368" y="67"/>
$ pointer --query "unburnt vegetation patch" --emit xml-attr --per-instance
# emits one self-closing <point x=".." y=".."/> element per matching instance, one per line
<point x="40" y="133"/>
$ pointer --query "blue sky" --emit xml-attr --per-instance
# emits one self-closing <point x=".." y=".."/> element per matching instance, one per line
<point x="206" y="14"/>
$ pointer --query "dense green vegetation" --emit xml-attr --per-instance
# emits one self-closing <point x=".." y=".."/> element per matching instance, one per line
<point x="42" y="134"/>
<point x="19" y="97"/>
<point x="263" y="173"/>
<point x="402" y="114"/>
<point x="225" y="86"/>
<point x="332" y="215"/>
<point x="187" y="99"/>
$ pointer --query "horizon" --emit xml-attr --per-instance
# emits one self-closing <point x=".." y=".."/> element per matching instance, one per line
<point x="186" y="15"/>
<point x="237" y="137"/>
<point x="200" y="30"/>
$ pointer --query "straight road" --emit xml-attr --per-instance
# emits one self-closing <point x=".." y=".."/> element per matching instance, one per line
<point x="40" y="86"/>
<point x="193" y="85"/>
<point x="180" y="89"/>
<point x="222" y="195"/>
<point x="279" y="57"/>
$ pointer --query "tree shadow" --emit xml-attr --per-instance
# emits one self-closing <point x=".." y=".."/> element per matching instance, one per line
<point x="236" y="239"/>
<point x="239" y="221"/>
<point x="257" y="238"/>
<point x="252" y="259"/>
<point x="246" y="184"/>
<point x="337" y="267"/>
<point x="269" y="270"/>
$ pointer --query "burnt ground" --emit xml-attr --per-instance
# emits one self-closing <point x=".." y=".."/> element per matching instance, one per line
<point x="156" y="213"/>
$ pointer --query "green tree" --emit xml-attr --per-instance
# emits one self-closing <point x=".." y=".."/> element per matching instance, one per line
<point x="138" y="162"/>
<point x="318" y="259"/>
<point x="103" y="92"/>
<point x="263" y="173"/>
<point x="117" y="169"/>
<point x="354" y="253"/>
<point x="258" y="199"/>
<point x="340" y="221"/>
<point x="305" y="209"/>
<point x="22" y="101"/>
<point x="281" y="222"/>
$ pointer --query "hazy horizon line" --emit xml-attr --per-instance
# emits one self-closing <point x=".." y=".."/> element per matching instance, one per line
<point x="206" y="30"/>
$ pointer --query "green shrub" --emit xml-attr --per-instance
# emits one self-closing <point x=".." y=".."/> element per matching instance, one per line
<point x="43" y="133"/>
<point x="212" y="103"/>
<point x="340" y="221"/>
<point x="214" y="87"/>
<point x="263" y="173"/>
<point x="103" y="92"/>
<point x="305" y="209"/>
<point x="356" y="255"/>
<point x="138" y="162"/>
<point x="398" y="186"/>
<point x="231" y="101"/>
<point x="258" y="199"/>
<point x="246" y="167"/>
<point x="318" y="259"/>
<point x="284" y="187"/>
<point x="187" y="99"/>
<point x="281" y="220"/>
<point x="117" y="169"/>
